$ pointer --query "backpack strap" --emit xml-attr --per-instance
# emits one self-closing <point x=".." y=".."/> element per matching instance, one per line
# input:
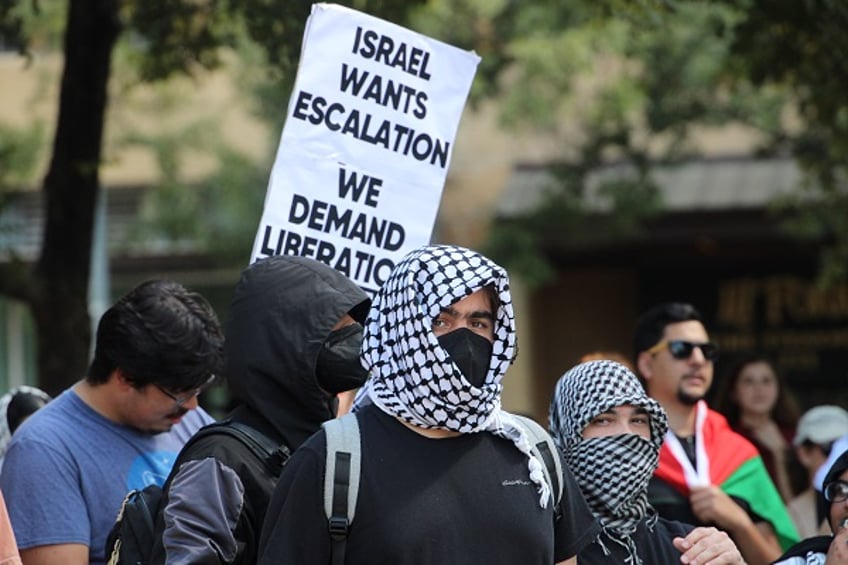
<point x="275" y="455"/>
<point x="545" y="449"/>
<point x="341" y="480"/>
<point x="272" y="454"/>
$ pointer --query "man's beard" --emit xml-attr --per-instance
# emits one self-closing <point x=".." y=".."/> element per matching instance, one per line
<point x="688" y="399"/>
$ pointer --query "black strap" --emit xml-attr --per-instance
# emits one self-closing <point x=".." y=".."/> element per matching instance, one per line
<point x="548" y="460"/>
<point x="338" y="523"/>
<point x="147" y="516"/>
<point x="272" y="454"/>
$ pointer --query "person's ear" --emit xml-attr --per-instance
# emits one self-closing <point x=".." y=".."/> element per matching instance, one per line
<point x="644" y="362"/>
<point x="121" y="379"/>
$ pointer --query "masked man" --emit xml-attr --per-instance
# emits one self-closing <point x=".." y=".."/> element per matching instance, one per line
<point x="292" y="344"/>
<point x="610" y="433"/>
<point x="446" y="475"/>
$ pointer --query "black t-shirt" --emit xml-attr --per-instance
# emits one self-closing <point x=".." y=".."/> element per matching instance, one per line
<point x="654" y="548"/>
<point x="817" y="546"/>
<point x="464" y="500"/>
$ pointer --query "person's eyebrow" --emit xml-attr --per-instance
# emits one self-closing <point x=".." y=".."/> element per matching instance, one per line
<point x="482" y="314"/>
<point x="642" y="411"/>
<point x="450" y="310"/>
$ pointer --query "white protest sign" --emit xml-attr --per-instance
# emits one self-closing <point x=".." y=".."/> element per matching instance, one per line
<point x="366" y="145"/>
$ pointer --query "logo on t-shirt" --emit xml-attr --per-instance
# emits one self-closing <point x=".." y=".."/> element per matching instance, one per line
<point x="150" y="469"/>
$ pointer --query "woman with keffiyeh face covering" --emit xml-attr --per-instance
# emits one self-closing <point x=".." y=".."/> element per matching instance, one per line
<point x="447" y="476"/>
<point x="610" y="433"/>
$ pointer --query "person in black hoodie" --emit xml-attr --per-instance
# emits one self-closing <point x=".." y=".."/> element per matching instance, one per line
<point x="833" y="548"/>
<point x="292" y="344"/>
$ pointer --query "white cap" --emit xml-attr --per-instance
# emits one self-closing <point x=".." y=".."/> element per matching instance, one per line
<point x="821" y="425"/>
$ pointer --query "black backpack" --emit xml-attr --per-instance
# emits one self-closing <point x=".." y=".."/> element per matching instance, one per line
<point x="139" y="524"/>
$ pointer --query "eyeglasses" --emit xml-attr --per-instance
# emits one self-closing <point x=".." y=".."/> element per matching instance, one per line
<point x="836" y="491"/>
<point x="680" y="349"/>
<point x="183" y="398"/>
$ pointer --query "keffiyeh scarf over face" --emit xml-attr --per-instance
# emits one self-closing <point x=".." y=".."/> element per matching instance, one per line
<point x="612" y="471"/>
<point x="412" y="377"/>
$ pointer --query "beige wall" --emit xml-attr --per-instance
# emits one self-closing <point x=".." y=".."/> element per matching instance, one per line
<point x="583" y="311"/>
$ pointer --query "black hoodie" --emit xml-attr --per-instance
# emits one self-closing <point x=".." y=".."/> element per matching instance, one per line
<point x="282" y="312"/>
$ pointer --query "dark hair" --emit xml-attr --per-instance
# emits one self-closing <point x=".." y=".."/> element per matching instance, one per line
<point x="839" y="466"/>
<point x="494" y="299"/>
<point x="21" y="405"/>
<point x="159" y="333"/>
<point x="651" y="325"/>
<point x="785" y="411"/>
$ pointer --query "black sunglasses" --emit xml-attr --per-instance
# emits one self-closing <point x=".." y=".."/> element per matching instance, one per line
<point x="680" y="349"/>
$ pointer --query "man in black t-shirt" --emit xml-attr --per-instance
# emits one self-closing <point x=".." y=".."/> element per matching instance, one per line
<point x="446" y="475"/>
<point x="610" y="433"/>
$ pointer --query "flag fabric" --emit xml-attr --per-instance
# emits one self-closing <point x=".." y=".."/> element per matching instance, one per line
<point x="730" y="461"/>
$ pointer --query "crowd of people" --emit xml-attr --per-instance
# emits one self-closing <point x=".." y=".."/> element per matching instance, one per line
<point x="641" y="469"/>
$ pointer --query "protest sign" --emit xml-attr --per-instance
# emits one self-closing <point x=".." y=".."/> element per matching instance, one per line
<point x="366" y="144"/>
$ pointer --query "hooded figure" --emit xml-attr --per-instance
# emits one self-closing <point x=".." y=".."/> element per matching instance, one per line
<point x="292" y="343"/>
<point x="414" y="375"/>
<point x="280" y="345"/>
<point x="814" y="550"/>
<point x="446" y="475"/>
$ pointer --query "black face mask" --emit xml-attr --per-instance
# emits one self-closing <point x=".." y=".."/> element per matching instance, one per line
<point x="471" y="352"/>
<point x="338" y="368"/>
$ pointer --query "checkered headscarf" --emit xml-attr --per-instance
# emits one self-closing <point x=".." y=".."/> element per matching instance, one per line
<point x="412" y="377"/>
<point x="612" y="471"/>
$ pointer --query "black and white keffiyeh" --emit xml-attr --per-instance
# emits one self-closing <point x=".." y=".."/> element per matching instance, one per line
<point x="412" y="377"/>
<point x="612" y="471"/>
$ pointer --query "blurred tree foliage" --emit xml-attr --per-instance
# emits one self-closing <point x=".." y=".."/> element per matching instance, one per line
<point x="162" y="38"/>
<point x="629" y="80"/>
<point x="635" y="78"/>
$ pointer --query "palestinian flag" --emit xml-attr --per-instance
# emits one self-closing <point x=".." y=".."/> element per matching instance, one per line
<point x="735" y="466"/>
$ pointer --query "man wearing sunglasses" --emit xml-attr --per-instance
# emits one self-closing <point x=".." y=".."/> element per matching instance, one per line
<point x="70" y="465"/>
<point x="707" y="474"/>
<point x="834" y="548"/>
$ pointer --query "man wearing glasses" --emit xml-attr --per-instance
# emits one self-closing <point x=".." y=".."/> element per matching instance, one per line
<point x="708" y="474"/>
<point x="827" y="549"/>
<point x="70" y="465"/>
